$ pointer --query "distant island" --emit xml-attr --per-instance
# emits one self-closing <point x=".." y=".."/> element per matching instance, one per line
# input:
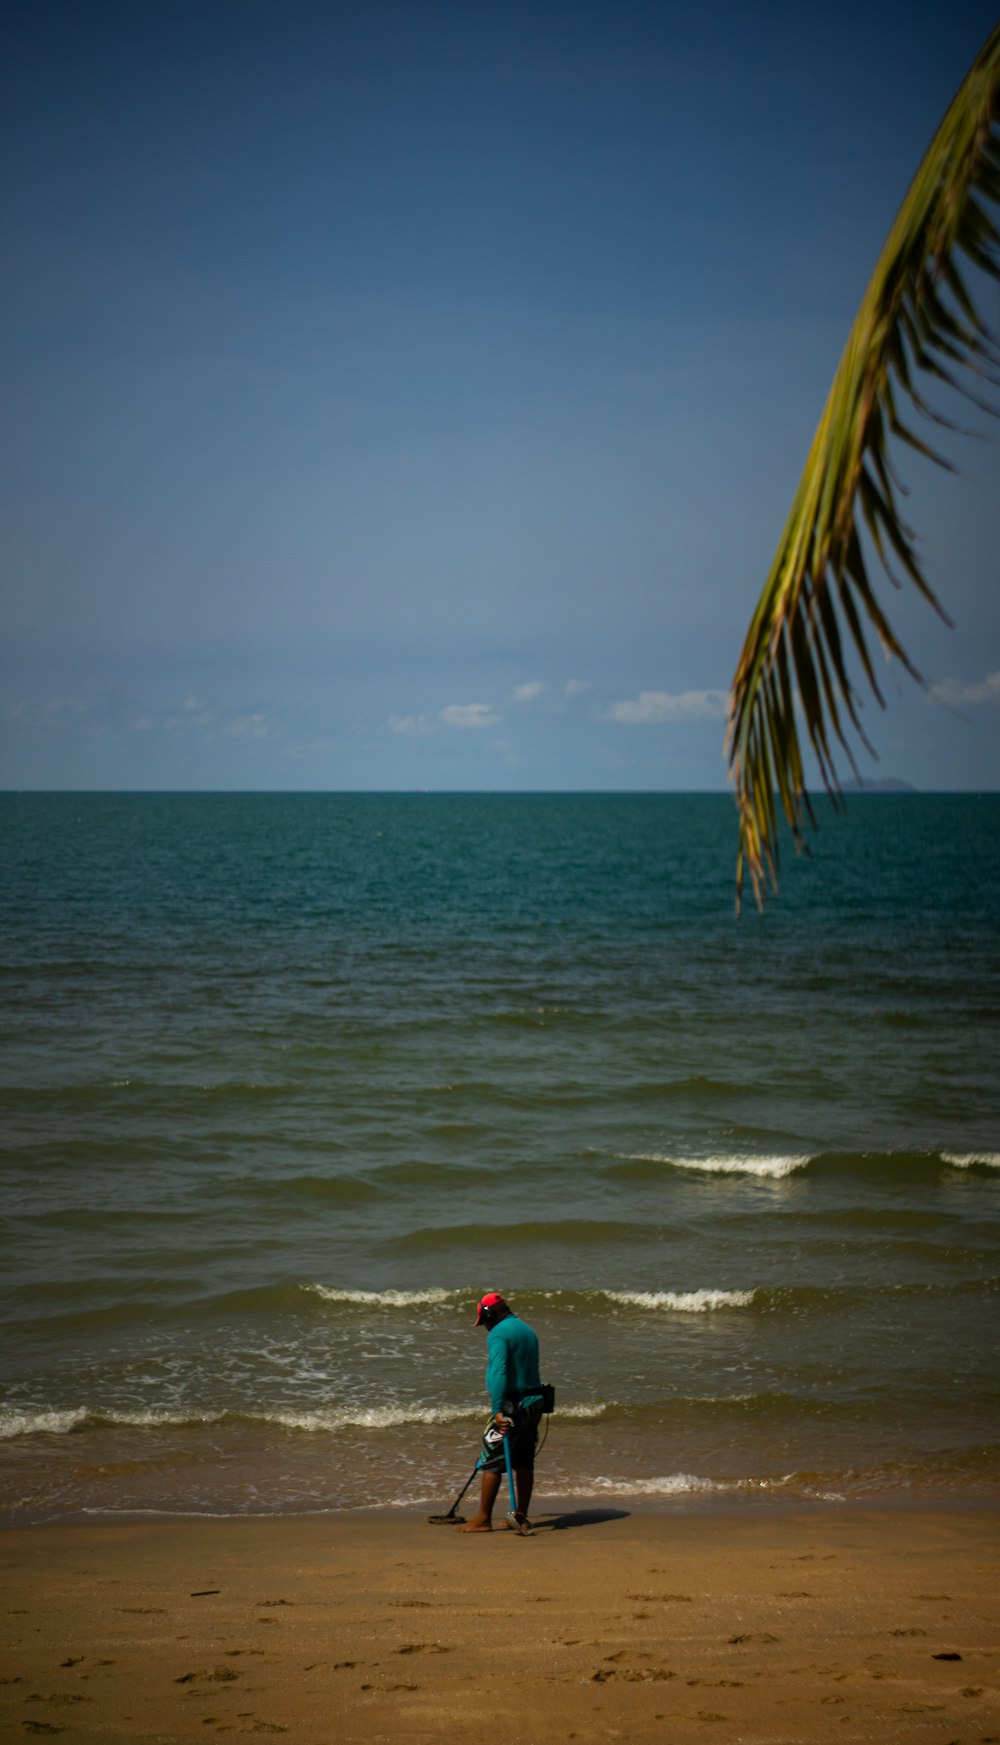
<point x="888" y="785"/>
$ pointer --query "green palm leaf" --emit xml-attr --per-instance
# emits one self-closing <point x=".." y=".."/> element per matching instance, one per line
<point x="917" y="318"/>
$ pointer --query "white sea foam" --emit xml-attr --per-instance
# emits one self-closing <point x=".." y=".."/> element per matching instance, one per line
<point x="767" y="1168"/>
<point x="671" y="1485"/>
<point x="685" y="1302"/>
<point x="151" y="1419"/>
<point x="687" y="1483"/>
<point x="371" y="1417"/>
<point x="40" y="1422"/>
<point x="384" y="1299"/>
<point x="44" y="1421"/>
<point x="964" y="1159"/>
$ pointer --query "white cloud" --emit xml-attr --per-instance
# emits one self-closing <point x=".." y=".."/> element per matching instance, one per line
<point x="142" y="724"/>
<point x="527" y="693"/>
<point x="410" y="724"/>
<point x="255" y="726"/>
<point x="670" y="706"/>
<point x="40" y="714"/>
<point x="576" y="687"/>
<point x="192" y="714"/>
<point x="470" y="715"/>
<point x="958" y="691"/>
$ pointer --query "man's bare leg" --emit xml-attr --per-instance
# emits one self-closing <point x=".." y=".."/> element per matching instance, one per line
<point x="483" y="1522"/>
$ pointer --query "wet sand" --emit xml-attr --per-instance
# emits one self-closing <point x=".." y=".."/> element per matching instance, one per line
<point x="789" y="1629"/>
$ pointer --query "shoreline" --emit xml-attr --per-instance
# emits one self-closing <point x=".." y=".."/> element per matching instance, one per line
<point x="646" y="1623"/>
<point x="755" y="1502"/>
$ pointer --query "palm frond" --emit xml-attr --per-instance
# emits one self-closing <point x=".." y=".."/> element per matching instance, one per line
<point x="792" y="684"/>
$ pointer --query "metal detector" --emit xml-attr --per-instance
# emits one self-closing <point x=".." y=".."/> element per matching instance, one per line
<point x="519" y="1524"/>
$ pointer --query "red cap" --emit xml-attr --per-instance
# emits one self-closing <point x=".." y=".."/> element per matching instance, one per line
<point x="492" y="1300"/>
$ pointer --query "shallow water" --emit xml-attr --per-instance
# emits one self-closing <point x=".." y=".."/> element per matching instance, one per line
<point x="289" y="1080"/>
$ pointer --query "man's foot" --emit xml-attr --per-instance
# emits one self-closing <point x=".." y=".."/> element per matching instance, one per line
<point x="479" y="1524"/>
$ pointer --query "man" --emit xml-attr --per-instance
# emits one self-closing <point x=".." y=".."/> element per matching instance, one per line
<point x="514" y="1385"/>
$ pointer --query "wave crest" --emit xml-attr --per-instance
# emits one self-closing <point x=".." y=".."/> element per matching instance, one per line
<point x="389" y="1299"/>
<point x="683" y="1302"/>
<point x="46" y="1421"/>
<point x="739" y="1163"/>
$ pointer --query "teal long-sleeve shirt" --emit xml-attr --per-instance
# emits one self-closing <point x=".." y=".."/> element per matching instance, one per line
<point x="512" y="1363"/>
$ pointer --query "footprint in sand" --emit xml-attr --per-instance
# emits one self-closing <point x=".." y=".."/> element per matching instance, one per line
<point x="220" y="1675"/>
<point x="423" y="1648"/>
<point x="61" y="1701"/>
<point x="632" y="1674"/>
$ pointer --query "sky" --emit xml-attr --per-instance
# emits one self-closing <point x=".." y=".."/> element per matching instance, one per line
<point x="406" y="395"/>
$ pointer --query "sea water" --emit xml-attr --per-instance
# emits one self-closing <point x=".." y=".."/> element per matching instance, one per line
<point x="288" y="1081"/>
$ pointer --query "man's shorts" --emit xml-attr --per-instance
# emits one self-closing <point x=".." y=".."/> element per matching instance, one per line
<point x="523" y="1439"/>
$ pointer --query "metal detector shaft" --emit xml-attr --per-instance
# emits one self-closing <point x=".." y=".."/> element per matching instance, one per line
<point x="510" y="1473"/>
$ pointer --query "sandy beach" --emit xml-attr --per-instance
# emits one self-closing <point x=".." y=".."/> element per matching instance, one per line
<point x="813" y="1626"/>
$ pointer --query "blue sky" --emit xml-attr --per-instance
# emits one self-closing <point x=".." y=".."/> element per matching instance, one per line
<point x="406" y="395"/>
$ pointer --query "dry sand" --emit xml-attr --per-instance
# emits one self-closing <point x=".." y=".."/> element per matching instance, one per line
<point x="840" y="1626"/>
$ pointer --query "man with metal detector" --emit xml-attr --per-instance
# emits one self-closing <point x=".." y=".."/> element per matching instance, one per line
<point x="517" y="1399"/>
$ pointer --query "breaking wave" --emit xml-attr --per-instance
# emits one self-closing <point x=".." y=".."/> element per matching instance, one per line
<point x="46" y="1421"/>
<point x="766" y="1168"/>
<point x="391" y="1299"/>
<point x="683" y="1302"/>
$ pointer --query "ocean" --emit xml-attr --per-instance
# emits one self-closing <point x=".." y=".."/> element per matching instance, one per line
<point x="288" y="1081"/>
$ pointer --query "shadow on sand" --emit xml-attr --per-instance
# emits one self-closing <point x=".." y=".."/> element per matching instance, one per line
<point x="577" y="1518"/>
